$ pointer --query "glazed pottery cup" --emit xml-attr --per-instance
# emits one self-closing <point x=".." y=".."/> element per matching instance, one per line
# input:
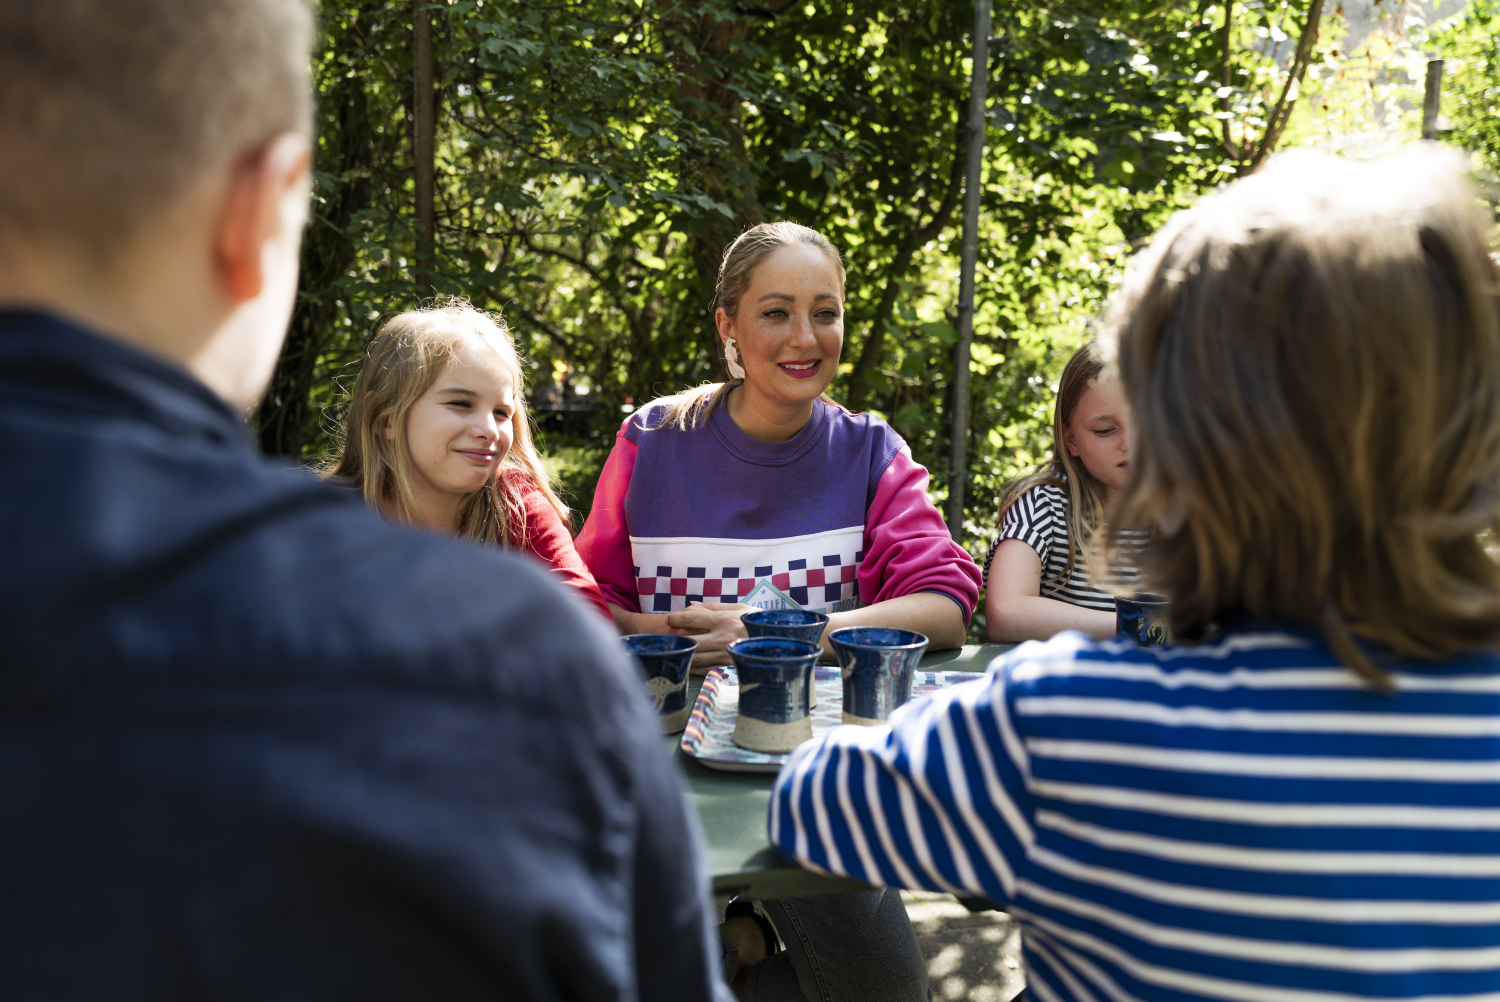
<point x="791" y="624"/>
<point x="1142" y="618"/>
<point x="877" y="665"/>
<point x="775" y="676"/>
<point x="665" y="658"/>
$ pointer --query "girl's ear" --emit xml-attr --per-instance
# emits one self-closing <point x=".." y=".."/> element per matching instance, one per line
<point x="1068" y="442"/>
<point x="387" y="428"/>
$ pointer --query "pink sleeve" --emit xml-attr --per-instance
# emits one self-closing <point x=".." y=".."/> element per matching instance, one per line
<point x="549" y="541"/>
<point x="604" y="543"/>
<point x="907" y="546"/>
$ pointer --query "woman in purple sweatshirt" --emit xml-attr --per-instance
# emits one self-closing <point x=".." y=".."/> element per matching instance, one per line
<point x="762" y="492"/>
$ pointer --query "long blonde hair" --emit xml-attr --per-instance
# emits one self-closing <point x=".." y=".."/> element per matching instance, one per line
<point x="1086" y="495"/>
<point x="1312" y="358"/>
<point x="401" y="364"/>
<point x="685" y="410"/>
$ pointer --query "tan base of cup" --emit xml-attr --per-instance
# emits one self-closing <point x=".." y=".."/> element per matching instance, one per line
<point x="850" y="718"/>
<point x="757" y="735"/>
<point x="676" y="723"/>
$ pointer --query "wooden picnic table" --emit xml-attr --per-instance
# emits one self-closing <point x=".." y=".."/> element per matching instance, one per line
<point x="732" y="808"/>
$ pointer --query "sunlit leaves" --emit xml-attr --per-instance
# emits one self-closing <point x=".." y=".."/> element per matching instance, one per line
<point x="586" y="147"/>
<point x="1470" y="44"/>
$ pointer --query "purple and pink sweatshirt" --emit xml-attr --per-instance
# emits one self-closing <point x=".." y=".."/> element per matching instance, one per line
<point x="834" y="518"/>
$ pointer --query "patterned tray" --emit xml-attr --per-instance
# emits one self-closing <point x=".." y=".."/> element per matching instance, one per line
<point x="708" y="737"/>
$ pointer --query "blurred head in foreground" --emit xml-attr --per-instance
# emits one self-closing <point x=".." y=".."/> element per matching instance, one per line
<point x="1313" y="360"/>
<point x="153" y="165"/>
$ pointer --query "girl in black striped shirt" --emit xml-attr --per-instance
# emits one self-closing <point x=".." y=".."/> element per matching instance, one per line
<point x="1039" y="571"/>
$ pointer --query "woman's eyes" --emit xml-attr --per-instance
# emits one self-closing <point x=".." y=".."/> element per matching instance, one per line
<point x="825" y="315"/>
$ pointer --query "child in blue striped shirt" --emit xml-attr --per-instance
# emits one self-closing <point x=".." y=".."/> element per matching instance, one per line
<point x="1301" y="799"/>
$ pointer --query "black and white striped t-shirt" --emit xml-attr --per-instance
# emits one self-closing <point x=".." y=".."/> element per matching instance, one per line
<point x="1039" y="518"/>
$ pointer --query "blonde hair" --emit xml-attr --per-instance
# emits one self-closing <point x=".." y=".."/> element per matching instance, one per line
<point x="1086" y="495"/>
<point x="685" y="410"/>
<point x="401" y="364"/>
<point x="1313" y="361"/>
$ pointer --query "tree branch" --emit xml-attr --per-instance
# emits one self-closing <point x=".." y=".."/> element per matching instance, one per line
<point x="1283" y="110"/>
<point x="551" y="330"/>
<point x="1226" y="73"/>
<point x="869" y="355"/>
<point x="638" y="326"/>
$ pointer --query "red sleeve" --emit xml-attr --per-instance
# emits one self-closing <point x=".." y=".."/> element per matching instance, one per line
<point x="549" y="541"/>
<point x="604" y="543"/>
<point x="907" y="546"/>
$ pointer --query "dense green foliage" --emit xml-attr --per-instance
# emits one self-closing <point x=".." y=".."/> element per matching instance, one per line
<point x="596" y="156"/>
<point x="1470" y="46"/>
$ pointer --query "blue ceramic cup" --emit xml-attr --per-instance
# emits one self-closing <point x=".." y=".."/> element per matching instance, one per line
<point x="877" y="664"/>
<point x="1143" y="619"/>
<point x="791" y="624"/>
<point x="775" y="676"/>
<point x="665" y="658"/>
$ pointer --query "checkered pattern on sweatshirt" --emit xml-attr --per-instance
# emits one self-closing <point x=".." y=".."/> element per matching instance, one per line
<point x="811" y="583"/>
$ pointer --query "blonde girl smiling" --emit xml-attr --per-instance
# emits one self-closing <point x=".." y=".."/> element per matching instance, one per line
<point x="438" y="436"/>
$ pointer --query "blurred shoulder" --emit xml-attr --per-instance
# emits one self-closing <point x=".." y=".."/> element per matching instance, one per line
<point x="356" y="597"/>
<point x="1251" y="658"/>
<point x="1055" y="666"/>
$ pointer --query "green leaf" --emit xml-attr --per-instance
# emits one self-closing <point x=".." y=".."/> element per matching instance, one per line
<point x="942" y="330"/>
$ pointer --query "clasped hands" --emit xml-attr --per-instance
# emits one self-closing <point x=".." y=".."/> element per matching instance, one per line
<point x="715" y="625"/>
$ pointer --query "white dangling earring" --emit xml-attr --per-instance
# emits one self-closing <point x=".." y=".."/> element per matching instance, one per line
<point x="732" y="360"/>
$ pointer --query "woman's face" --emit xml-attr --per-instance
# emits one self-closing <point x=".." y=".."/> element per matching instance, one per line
<point x="789" y="329"/>
<point x="1096" y="433"/>
<point x="461" y="428"/>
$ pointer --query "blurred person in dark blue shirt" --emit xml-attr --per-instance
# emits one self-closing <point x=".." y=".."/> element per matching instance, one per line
<point x="254" y="741"/>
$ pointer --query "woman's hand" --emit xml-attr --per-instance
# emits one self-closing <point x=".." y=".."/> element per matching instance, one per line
<point x="715" y="625"/>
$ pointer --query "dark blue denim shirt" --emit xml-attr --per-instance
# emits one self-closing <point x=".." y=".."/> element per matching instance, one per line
<point x="257" y="743"/>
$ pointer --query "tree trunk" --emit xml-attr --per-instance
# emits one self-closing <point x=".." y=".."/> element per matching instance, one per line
<point x="286" y="422"/>
<point x="856" y="387"/>
<point x="424" y="132"/>
<point x="724" y="173"/>
<point x="1282" y="113"/>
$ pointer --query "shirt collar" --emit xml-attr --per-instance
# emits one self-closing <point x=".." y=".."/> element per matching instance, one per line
<point x="768" y="453"/>
<point x="46" y="361"/>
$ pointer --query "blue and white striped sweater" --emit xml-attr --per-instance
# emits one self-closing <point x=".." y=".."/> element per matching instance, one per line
<point x="1240" y="820"/>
